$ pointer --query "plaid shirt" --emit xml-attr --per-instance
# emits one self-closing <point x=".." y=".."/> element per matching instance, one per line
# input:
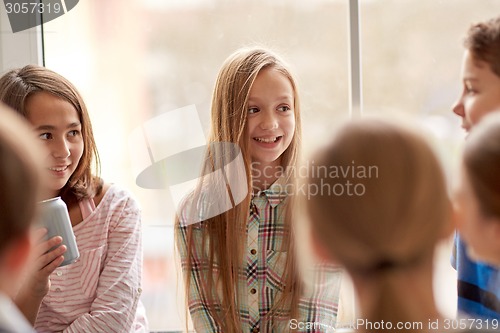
<point x="262" y="281"/>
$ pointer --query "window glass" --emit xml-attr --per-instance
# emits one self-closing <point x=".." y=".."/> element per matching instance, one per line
<point x="411" y="59"/>
<point x="139" y="59"/>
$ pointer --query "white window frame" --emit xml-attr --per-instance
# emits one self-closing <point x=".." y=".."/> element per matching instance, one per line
<point x="20" y="48"/>
<point x="355" y="74"/>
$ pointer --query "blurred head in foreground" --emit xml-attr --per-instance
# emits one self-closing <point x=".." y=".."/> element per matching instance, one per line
<point x="381" y="208"/>
<point x="477" y="198"/>
<point x="20" y="169"/>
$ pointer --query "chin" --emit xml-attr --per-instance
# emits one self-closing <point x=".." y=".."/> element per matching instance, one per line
<point x="268" y="161"/>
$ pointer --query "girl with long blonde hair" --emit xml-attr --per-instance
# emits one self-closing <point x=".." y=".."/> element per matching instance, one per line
<point x="239" y="271"/>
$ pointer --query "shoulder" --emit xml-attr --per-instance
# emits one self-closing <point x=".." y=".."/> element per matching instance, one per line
<point x="98" y="198"/>
<point x="467" y="267"/>
<point x="116" y="198"/>
<point x="202" y="204"/>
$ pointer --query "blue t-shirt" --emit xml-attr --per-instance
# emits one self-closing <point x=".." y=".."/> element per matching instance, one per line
<point x="478" y="285"/>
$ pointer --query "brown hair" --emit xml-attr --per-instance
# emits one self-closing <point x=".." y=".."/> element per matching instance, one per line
<point x="483" y="40"/>
<point x="482" y="163"/>
<point x="224" y="253"/>
<point x="19" y="176"/>
<point x="382" y="205"/>
<point x="17" y="85"/>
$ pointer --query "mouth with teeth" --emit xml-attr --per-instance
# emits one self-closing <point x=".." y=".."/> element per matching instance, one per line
<point x="59" y="169"/>
<point x="268" y="140"/>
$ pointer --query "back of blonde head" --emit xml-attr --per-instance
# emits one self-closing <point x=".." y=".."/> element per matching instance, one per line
<point x="399" y="209"/>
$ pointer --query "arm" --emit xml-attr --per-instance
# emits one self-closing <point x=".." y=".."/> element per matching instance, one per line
<point x="119" y="286"/>
<point x="201" y="316"/>
<point x="319" y="301"/>
<point x="37" y="283"/>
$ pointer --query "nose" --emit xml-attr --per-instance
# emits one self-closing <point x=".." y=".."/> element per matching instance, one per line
<point x="458" y="108"/>
<point x="60" y="149"/>
<point x="269" y="121"/>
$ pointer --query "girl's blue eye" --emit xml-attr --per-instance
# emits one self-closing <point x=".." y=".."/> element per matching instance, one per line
<point x="253" y="110"/>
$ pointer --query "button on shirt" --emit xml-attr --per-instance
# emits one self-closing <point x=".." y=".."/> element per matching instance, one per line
<point x="265" y="231"/>
<point x="265" y="263"/>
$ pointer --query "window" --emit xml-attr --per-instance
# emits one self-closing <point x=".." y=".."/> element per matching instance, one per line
<point x="137" y="61"/>
<point x="411" y="58"/>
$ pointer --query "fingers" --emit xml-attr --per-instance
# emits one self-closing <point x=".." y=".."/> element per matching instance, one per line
<point x="39" y="237"/>
<point x="52" y="259"/>
<point x="47" y="255"/>
<point x="49" y="252"/>
<point x="38" y="281"/>
<point x="47" y="263"/>
<point x="46" y="245"/>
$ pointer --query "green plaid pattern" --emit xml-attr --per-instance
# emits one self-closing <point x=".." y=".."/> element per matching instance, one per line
<point x="261" y="283"/>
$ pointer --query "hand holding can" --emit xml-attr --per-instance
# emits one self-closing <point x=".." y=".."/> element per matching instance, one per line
<point x="55" y="218"/>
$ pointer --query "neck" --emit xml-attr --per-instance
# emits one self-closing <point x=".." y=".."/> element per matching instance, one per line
<point x="50" y="194"/>
<point x="265" y="174"/>
<point x="408" y="292"/>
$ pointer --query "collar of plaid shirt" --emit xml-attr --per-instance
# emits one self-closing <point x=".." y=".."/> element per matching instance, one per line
<point x="276" y="193"/>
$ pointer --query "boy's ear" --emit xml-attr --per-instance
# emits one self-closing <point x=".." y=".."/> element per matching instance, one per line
<point x="17" y="253"/>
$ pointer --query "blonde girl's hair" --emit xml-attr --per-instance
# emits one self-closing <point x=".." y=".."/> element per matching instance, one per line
<point x="222" y="234"/>
<point x="394" y="212"/>
<point x="481" y="161"/>
<point x="483" y="41"/>
<point x="18" y="85"/>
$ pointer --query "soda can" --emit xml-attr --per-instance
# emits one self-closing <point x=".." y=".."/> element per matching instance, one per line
<point x="55" y="218"/>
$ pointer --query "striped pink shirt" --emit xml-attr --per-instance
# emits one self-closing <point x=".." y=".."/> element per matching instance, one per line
<point x="100" y="291"/>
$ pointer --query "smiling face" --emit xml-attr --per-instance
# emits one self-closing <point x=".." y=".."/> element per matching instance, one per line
<point x="57" y="123"/>
<point x="271" y="117"/>
<point x="481" y="91"/>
